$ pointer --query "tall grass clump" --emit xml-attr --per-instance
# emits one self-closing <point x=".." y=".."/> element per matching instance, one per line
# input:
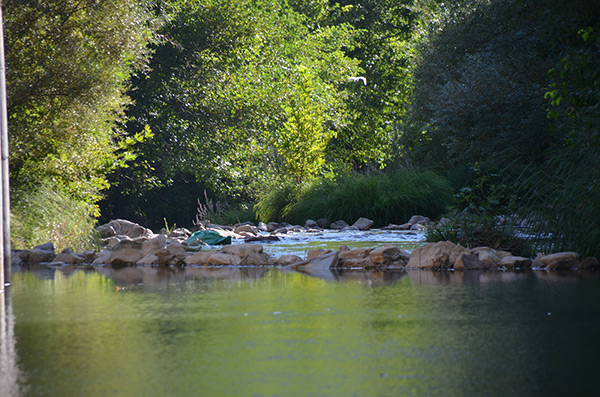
<point x="384" y="198"/>
<point x="47" y="214"/>
<point x="273" y="201"/>
<point x="560" y="203"/>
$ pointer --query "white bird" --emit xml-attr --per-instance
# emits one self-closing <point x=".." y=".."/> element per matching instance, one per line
<point x="357" y="79"/>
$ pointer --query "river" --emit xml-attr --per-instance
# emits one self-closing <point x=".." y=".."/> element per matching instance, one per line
<point x="151" y="331"/>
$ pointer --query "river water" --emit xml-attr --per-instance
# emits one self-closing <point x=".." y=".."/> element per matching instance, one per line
<point x="150" y="331"/>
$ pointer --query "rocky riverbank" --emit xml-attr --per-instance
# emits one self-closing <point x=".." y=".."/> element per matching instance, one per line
<point x="129" y="244"/>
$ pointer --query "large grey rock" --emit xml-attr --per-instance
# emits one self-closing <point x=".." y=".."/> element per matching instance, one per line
<point x="106" y="230"/>
<point x="440" y="255"/>
<point x="287" y="260"/>
<point x="389" y="255"/>
<point x="467" y="261"/>
<point x="69" y="257"/>
<point x="154" y="245"/>
<point x="560" y="260"/>
<point x="391" y="226"/>
<point x="323" y="223"/>
<point x="311" y="224"/>
<point x="126" y="252"/>
<point x="512" y="262"/>
<point x="249" y="254"/>
<point x="589" y="263"/>
<point x="41" y="253"/>
<point x="363" y="223"/>
<point x="338" y="225"/>
<point x="128" y="228"/>
<point x="325" y="261"/>
<point x="358" y="257"/>
<point x="418" y="220"/>
<point x="488" y="257"/>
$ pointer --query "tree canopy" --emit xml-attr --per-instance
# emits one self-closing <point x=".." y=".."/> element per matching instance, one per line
<point x="152" y="104"/>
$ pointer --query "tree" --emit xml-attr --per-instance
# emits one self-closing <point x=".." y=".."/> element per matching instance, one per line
<point x="68" y="66"/>
<point x="216" y="92"/>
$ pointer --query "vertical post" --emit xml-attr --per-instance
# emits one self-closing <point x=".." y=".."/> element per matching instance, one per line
<point x="5" y="202"/>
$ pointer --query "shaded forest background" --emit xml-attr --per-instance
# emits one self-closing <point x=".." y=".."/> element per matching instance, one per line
<point x="482" y="111"/>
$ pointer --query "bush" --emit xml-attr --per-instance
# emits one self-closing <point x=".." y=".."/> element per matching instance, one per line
<point x="48" y="214"/>
<point x="271" y="204"/>
<point x="235" y="214"/>
<point x="384" y="198"/>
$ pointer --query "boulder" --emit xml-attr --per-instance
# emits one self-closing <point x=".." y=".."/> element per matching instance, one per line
<point x="150" y="259"/>
<point x="249" y="254"/>
<point x="321" y="262"/>
<point x="41" y="253"/>
<point x="419" y="227"/>
<point x="467" y="261"/>
<point x="69" y="257"/>
<point x="102" y="257"/>
<point x="130" y="229"/>
<point x="287" y="260"/>
<point x="180" y="234"/>
<point x="350" y="229"/>
<point x="589" y="263"/>
<point x="389" y="255"/>
<point x="418" y="220"/>
<point x="311" y="224"/>
<point x="126" y="252"/>
<point x="560" y="260"/>
<point x="363" y="223"/>
<point x="323" y="223"/>
<point x="391" y="226"/>
<point x="338" y="225"/>
<point x="154" y="245"/>
<point x="242" y="250"/>
<point x="358" y="257"/>
<point x="89" y="256"/>
<point x="487" y="256"/>
<point x="172" y="255"/>
<point x="262" y="227"/>
<point x="440" y="255"/>
<point x="106" y="230"/>
<point x="220" y="259"/>
<point x="199" y="258"/>
<point x="272" y="226"/>
<point x="316" y="252"/>
<point x="249" y="229"/>
<point x="512" y="262"/>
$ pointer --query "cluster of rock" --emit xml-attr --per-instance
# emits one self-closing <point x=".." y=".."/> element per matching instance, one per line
<point x="447" y="255"/>
<point x="129" y="244"/>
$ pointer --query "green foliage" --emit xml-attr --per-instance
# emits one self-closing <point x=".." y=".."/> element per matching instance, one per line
<point x="48" y="214"/>
<point x="479" y="78"/>
<point x="68" y="66"/>
<point x="68" y="63"/>
<point x="270" y="207"/>
<point x="384" y="198"/>
<point x="484" y="216"/>
<point x="235" y="214"/>
<point x="302" y="140"/>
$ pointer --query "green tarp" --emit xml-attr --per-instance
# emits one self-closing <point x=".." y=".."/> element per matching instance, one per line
<point x="208" y="237"/>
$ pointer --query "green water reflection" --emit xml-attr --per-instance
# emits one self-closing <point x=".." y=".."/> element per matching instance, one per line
<point x="254" y="331"/>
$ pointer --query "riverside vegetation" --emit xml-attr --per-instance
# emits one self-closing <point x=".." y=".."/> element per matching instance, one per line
<point x="480" y="112"/>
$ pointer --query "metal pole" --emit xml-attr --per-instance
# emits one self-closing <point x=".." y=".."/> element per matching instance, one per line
<point x="5" y="203"/>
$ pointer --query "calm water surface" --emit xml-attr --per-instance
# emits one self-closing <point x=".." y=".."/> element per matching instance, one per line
<point x="253" y="331"/>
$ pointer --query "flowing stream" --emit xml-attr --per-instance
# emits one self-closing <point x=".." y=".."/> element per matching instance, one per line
<point x="155" y="331"/>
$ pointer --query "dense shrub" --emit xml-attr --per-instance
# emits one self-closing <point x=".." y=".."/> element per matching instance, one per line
<point x="384" y="198"/>
<point x="48" y="214"/>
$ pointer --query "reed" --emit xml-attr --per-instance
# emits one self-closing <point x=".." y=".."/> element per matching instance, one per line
<point x="384" y="198"/>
